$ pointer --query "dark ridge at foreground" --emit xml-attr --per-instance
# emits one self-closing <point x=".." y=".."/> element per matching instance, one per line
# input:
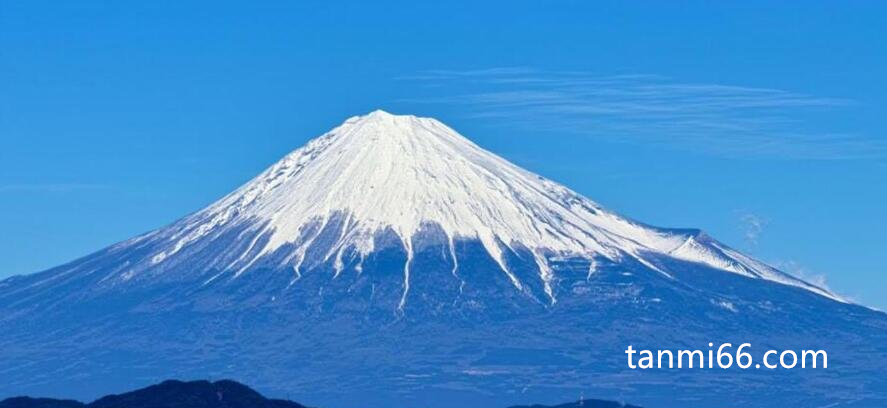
<point x="219" y="394"/>
<point x="586" y="403"/>
<point x="168" y="394"/>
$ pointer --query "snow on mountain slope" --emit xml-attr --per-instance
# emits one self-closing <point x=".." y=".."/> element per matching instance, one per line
<point x="402" y="173"/>
<point x="391" y="261"/>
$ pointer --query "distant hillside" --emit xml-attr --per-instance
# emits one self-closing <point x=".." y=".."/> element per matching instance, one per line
<point x="586" y="403"/>
<point x="28" y="402"/>
<point x="168" y="394"/>
<point x="219" y="394"/>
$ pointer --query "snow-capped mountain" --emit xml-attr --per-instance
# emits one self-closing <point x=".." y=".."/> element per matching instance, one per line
<point x="383" y="172"/>
<point x="394" y="259"/>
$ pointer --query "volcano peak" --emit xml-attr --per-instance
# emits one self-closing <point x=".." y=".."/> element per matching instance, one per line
<point x="382" y="172"/>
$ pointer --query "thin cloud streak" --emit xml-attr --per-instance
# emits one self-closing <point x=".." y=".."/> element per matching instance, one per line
<point x="718" y="119"/>
<point x="51" y="187"/>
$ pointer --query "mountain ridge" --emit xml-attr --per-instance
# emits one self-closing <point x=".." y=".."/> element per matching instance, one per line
<point x="215" y="394"/>
<point x="168" y="394"/>
<point x="310" y="279"/>
<point x="382" y="172"/>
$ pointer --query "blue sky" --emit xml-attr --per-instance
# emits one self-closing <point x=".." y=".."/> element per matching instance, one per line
<point x="761" y="123"/>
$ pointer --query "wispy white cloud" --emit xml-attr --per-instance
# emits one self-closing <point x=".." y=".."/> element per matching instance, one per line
<point x="650" y="109"/>
<point x="796" y="269"/>
<point x="50" y="187"/>
<point x="802" y="272"/>
<point x="752" y="227"/>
